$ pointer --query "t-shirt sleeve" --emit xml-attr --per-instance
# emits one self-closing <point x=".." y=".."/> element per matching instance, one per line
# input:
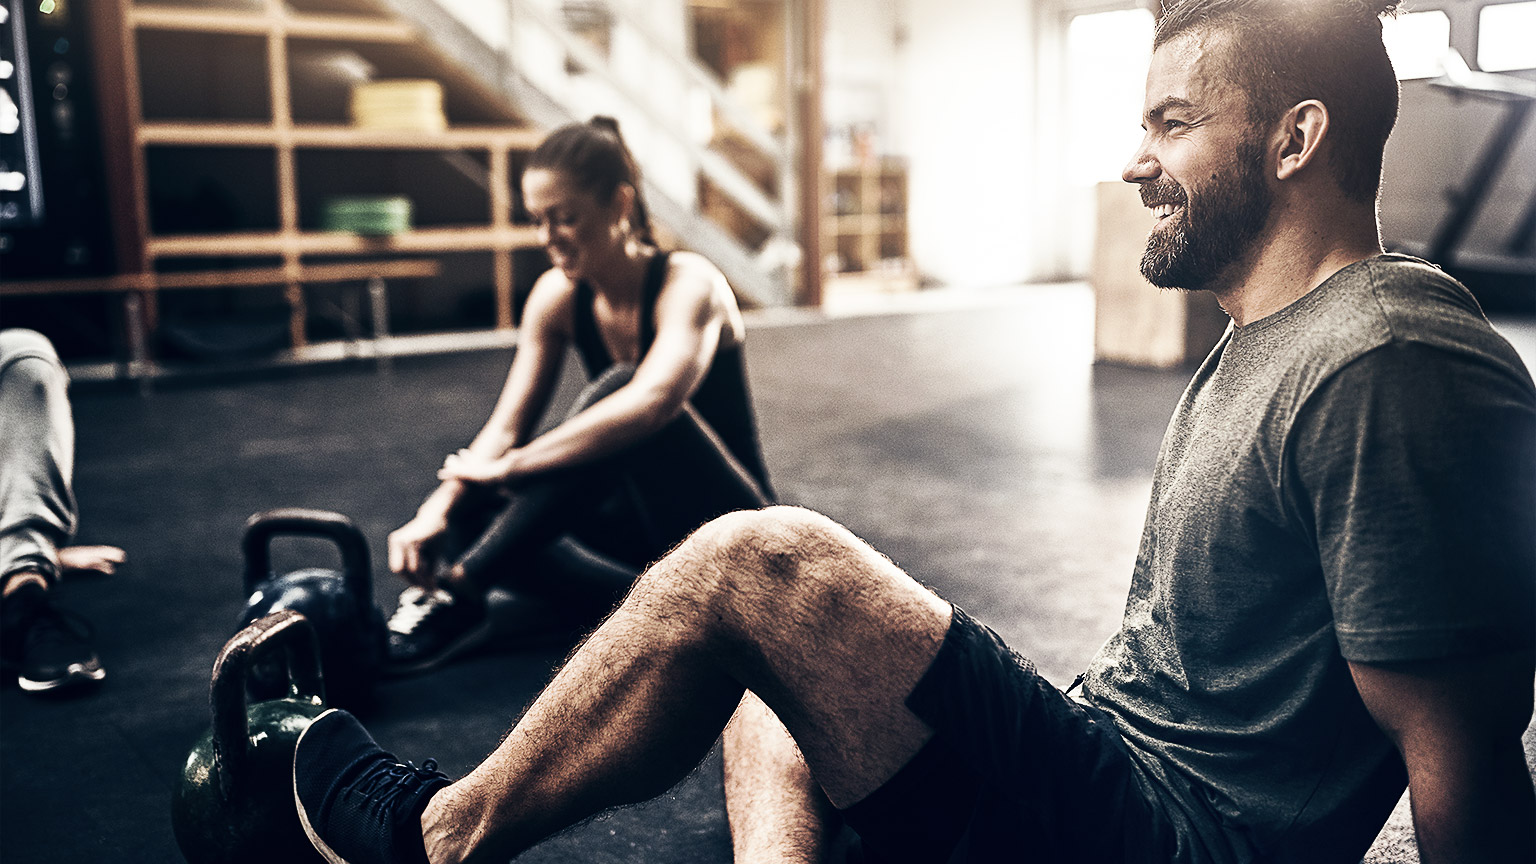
<point x="1416" y="468"/>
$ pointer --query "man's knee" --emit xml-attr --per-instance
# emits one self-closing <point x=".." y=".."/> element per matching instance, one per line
<point x="35" y="378"/>
<point x="17" y="345"/>
<point x="774" y="550"/>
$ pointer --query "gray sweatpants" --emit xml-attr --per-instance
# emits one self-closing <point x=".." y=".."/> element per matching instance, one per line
<point x="37" y="455"/>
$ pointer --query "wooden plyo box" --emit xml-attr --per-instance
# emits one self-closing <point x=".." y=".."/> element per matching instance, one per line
<point x="1136" y="323"/>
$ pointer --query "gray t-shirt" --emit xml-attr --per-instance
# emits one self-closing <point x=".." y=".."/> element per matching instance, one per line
<point x="1353" y="477"/>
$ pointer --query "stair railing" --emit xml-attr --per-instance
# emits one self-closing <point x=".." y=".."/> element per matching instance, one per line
<point x="555" y="75"/>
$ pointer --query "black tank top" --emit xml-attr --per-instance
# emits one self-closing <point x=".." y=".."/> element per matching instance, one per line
<point x="722" y="399"/>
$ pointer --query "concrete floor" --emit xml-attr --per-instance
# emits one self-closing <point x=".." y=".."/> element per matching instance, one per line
<point x="973" y="441"/>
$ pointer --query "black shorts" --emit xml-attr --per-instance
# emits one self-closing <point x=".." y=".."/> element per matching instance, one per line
<point x="1015" y="771"/>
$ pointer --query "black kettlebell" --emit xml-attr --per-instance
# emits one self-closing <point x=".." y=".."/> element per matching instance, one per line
<point x="339" y="603"/>
<point x="235" y="801"/>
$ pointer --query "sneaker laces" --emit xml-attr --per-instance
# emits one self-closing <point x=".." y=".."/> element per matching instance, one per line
<point x="416" y="605"/>
<point x="381" y="784"/>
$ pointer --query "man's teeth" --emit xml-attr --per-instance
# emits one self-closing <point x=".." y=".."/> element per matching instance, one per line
<point x="1162" y="210"/>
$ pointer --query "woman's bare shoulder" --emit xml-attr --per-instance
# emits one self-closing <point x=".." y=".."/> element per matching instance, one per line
<point x="697" y="285"/>
<point x="550" y="302"/>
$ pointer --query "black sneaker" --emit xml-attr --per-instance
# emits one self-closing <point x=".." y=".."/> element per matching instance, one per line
<point x="49" y="648"/>
<point x="432" y="627"/>
<point x="357" y="803"/>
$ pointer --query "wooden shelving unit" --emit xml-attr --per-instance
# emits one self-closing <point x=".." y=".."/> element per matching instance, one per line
<point x="248" y="50"/>
<point x="864" y="222"/>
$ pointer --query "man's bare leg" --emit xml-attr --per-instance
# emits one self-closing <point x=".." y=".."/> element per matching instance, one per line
<point x="829" y="633"/>
<point x="778" y="814"/>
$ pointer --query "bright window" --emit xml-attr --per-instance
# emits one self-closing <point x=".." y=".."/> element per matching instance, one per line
<point x="1416" y="42"/>
<point x="1107" y="58"/>
<point x="1506" y="37"/>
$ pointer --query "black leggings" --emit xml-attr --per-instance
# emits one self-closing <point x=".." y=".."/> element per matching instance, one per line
<point x="581" y="535"/>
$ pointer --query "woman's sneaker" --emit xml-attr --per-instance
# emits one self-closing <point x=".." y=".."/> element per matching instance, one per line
<point x="430" y="628"/>
<point x="359" y="804"/>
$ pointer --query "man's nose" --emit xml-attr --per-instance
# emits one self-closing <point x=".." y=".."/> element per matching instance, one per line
<point x="1142" y="167"/>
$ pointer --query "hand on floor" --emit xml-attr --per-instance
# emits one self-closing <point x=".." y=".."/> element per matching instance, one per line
<point x="91" y="559"/>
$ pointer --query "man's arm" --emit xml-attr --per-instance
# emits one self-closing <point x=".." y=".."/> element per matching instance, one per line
<point x="1458" y="725"/>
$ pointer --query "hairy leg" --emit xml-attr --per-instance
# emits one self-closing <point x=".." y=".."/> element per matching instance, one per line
<point x="827" y="632"/>
<point x="778" y="814"/>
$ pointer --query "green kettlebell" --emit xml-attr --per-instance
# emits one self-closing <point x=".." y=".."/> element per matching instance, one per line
<point x="235" y="801"/>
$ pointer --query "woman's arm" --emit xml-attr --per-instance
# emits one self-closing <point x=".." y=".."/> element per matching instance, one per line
<point x="693" y="312"/>
<point x="541" y="347"/>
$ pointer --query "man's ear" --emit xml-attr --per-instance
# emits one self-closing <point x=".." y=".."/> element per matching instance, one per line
<point x="1301" y="134"/>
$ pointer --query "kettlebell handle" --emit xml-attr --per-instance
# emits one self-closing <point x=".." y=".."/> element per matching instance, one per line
<point x="262" y="527"/>
<point x="226" y="698"/>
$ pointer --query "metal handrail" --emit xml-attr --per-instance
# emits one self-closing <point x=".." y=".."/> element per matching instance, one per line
<point x="719" y="170"/>
<point x="741" y="120"/>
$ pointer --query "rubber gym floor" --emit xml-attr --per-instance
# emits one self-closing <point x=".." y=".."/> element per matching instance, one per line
<point x="974" y="442"/>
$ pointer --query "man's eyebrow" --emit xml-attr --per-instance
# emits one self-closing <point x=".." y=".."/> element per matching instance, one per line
<point x="1157" y="111"/>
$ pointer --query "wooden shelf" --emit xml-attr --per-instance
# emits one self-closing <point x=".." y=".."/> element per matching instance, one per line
<point x="226" y="134"/>
<point x="864" y="221"/>
<point x="221" y="134"/>
<point x="458" y="138"/>
<point x="355" y="28"/>
<point x="469" y="238"/>
<point x="198" y="280"/>
<point x="221" y="148"/>
<point x="860" y="224"/>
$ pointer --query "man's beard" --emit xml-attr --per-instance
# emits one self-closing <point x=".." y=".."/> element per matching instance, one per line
<point x="1214" y="231"/>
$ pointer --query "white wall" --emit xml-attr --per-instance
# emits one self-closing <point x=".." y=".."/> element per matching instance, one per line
<point x="968" y="85"/>
<point x="862" y="79"/>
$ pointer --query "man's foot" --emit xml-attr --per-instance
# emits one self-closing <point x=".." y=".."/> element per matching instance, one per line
<point x="359" y="804"/>
<point x="49" y="648"/>
<point x="431" y="627"/>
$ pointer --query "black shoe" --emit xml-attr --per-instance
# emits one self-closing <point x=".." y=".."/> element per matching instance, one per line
<point x="49" y="648"/>
<point x="357" y="803"/>
<point x="431" y="627"/>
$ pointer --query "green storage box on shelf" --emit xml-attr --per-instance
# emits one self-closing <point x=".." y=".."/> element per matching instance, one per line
<point x="374" y="215"/>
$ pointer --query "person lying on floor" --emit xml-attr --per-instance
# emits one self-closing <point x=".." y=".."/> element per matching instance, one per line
<point x="47" y="647"/>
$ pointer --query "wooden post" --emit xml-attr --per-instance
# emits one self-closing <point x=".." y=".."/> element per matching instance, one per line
<point x="116" y="69"/>
<point x="287" y="173"/>
<point x="501" y="222"/>
<point x="117" y="87"/>
<point x="807" y="40"/>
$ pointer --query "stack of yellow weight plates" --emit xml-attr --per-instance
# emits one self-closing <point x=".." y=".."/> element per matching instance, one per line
<point x="410" y="104"/>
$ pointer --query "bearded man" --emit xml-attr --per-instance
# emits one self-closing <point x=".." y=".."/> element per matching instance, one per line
<point x="1335" y="594"/>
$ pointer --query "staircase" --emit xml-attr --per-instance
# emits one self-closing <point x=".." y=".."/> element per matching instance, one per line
<point x="541" y="57"/>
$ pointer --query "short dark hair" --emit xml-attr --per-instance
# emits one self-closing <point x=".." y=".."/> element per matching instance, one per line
<point x="1281" y="52"/>
<point x="593" y="155"/>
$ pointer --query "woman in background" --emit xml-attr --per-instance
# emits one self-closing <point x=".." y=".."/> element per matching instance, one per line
<point x="662" y="440"/>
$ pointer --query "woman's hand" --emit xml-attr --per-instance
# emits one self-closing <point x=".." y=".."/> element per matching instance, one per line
<point x="473" y="468"/>
<point x="408" y="553"/>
